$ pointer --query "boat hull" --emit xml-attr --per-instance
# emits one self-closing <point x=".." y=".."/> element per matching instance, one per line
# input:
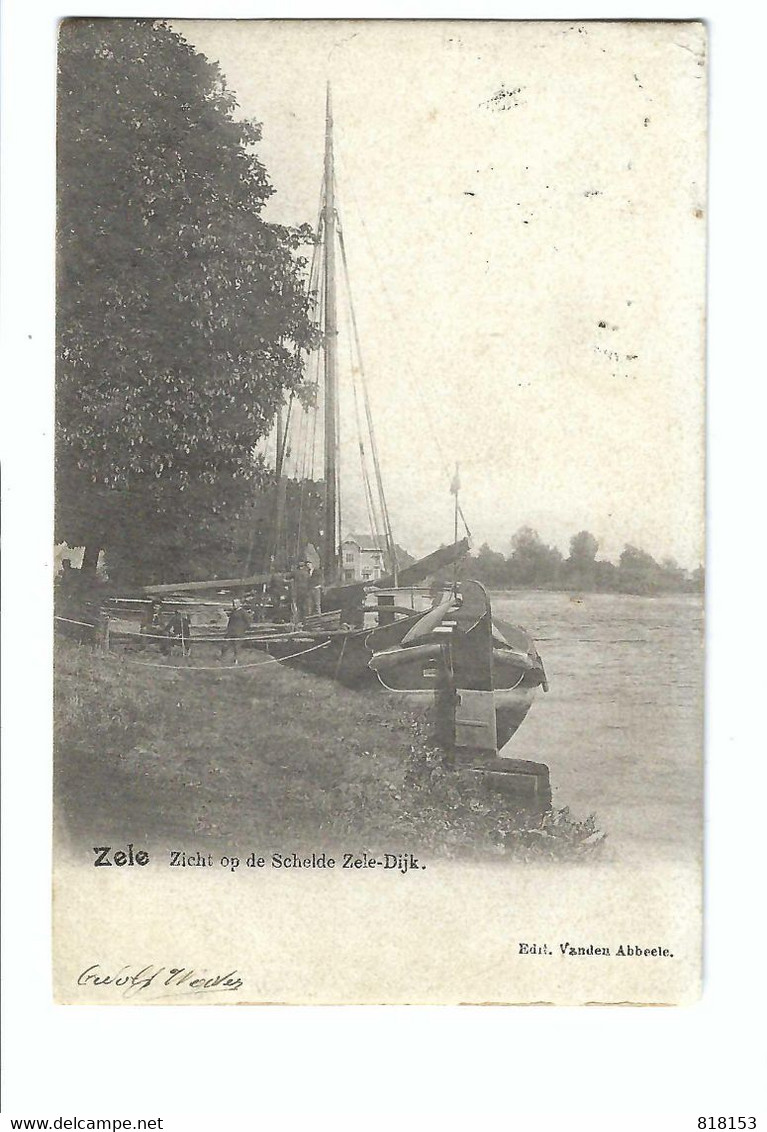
<point x="343" y="655"/>
<point x="511" y="708"/>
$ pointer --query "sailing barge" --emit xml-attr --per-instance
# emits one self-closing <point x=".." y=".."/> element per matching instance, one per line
<point x="368" y="630"/>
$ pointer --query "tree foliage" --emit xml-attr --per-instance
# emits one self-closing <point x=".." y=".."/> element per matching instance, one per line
<point x="492" y="566"/>
<point x="583" y="548"/>
<point x="532" y="562"/>
<point x="182" y="314"/>
<point x="579" y="571"/>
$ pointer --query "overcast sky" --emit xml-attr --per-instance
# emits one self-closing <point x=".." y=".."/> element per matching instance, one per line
<point x="524" y="211"/>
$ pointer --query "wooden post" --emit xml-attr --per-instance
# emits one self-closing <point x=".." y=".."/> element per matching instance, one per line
<point x="444" y="701"/>
<point x="385" y="615"/>
<point x="340" y="659"/>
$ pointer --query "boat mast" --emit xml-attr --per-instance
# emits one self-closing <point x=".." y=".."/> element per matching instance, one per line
<point x="330" y="547"/>
<point x="278" y="560"/>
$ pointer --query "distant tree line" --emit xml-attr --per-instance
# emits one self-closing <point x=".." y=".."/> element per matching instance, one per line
<point x="532" y="564"/>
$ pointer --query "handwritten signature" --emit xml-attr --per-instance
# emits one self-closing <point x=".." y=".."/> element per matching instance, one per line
<point x="130" y="982"/>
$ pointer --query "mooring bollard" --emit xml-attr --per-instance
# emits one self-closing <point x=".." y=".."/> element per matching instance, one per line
<point x="526" y="784"/>
<point x="385" y="612"/>
<point x="444" y="702"/>
<point x="465" y="726"/>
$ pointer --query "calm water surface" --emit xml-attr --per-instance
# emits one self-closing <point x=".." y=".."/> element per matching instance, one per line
<point x="621" y="727"/>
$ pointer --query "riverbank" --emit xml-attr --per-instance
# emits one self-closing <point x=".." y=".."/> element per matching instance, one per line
<point x="220" y="757"/>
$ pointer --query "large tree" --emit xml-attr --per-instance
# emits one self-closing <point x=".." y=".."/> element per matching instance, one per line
<point x="532" y="562"/>
<point x="638" y="572"/>
<point x="182" y="314"/>
<point x="492" y="568"/>
<point x="583" y="549"/>
<point x="580" y="569"/>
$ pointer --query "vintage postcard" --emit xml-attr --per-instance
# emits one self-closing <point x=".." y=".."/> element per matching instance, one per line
<point x="379" y="512"/>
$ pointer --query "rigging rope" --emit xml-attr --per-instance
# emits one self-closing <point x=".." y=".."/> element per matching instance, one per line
<point x="389" y="537"/>
<point x="310" y="414"/>
<point x="122" y="634"/>
<point x="339" y="512"/>
<point x="216" y="667"/>
<point x="417" y="589"/>
<point x="408" y="371"/>
<point x="373" y="520"/>
<point x="294" y="448"/>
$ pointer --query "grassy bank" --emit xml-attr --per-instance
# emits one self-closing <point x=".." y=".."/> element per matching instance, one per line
<point x="267" y="758"/>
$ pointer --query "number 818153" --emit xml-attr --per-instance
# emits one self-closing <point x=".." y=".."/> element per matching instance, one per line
<point x="726" y="1122"/>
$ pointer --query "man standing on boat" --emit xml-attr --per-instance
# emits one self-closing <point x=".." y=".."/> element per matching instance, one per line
<point x="278" y="592"/>
<point x="179" y="630"/>
<point x="302" y="591"/>
<point x="153" y="628"/>
<point x="238" y="626"/>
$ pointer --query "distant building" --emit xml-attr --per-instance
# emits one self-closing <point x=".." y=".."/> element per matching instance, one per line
<point x="362" y="559"/>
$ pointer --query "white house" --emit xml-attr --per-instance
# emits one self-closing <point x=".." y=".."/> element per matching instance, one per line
<point x="362" y="559"/>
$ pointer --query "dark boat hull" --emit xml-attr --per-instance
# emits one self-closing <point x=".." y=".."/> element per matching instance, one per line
<point x="343" y="655"/>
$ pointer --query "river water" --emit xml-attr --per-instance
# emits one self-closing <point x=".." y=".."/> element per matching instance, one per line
<point x="621" y="727"/>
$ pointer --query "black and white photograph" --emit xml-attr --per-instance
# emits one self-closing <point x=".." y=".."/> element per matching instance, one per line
<point x="379" y="511"/>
